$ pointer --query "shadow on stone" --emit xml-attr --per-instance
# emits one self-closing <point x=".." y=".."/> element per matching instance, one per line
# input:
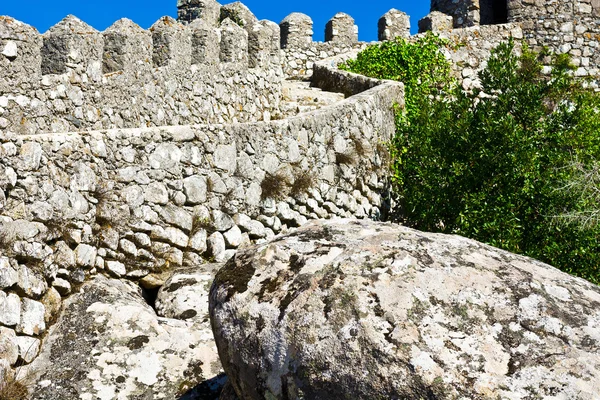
<point x="207" y="390"/>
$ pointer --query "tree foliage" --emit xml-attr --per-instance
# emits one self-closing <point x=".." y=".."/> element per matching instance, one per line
<point x="505" y="164"/>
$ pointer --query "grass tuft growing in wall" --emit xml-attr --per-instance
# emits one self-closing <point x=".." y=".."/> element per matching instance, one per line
<point x="303" y="182"/>
<point x="13" y="388"/>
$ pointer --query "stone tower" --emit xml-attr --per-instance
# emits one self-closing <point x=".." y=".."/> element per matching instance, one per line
<point x="474" y="12"/>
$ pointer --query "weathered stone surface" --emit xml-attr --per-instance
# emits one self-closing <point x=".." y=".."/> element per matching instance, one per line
<point x="32" y="317"/>
<point x="341" y="29"/>
<point x="233" y="237"/>
<point x="239" y="13"/>
<point x="9" y="349"/>
<point x="31" y="283"/>
<point x="221" y="221"/>
<point x="10" y="309"/>
<point x="85" y="255"/>
<point x="68" y="43"/>
<point x="109" y="344"/>
<point x="435" y="22"/>
<point x="8" y="275"/>
<point x="234" y="43"/>
<point x="205" y="43"/>
<point x="28" y="348"/>
<point x="31" y="155"/>
<point x="372" y="310"/>
<point x="185" y="294"/>
<point x="195" y="189"/>
<point x="126" y="47"/>
<point x="52" y="302"/>
<point x="156" y="192"/>
<point x="296" y="31"/>
<point x="393" y="24"/>
<point x="216" y="246"/>
<point x="116" y="268"/>
<point x="207" y="11"/>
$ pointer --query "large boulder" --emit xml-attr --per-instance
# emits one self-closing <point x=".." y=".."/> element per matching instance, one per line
<point x="364" y="310"/>
<point x="108" y="343"/>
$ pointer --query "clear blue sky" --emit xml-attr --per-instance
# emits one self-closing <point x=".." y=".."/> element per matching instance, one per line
<point x="101" y="14"/>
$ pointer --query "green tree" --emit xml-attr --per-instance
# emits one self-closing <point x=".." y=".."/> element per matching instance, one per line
<point x="490" y="163"/>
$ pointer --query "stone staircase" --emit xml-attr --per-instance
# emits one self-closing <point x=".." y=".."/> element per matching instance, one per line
<point x="299" y="97"/>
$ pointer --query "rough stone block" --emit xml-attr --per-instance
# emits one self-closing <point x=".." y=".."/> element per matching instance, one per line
<point x="127" y="47"/>
<point x="296" y="31"/>
<point x="10" y="309"/>
<point x="171" y="42"/>
<point x="9" y="350"/>
<point x="436" y="22"/>
<point x="8" y="275"/>
<point x="32" y="318"/>
<point x="205" y="43"/>
<point x="234" y="43"/>
<point x="393" y="24"/>
<point x="341" y="29"/>
<point x="70" y="43"/>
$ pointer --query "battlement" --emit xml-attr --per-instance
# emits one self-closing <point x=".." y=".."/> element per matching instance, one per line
<point x="220" y="64"/>
<point x="74" y="77"/>
<point x="563" y="26"/>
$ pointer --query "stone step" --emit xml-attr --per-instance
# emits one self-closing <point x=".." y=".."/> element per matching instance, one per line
<point x="299" y="97"/>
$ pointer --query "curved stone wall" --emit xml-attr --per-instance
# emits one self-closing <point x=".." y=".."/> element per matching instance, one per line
<point x="137" y="203"/>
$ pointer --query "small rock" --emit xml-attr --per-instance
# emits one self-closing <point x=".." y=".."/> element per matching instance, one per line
<point x="221" y="221"/>
<point x="8" y="275"/>
<point x="177" y="216"/>
<point x="10" y="50"/>
<point x="156" y="193"/>
<point x="216" y="246"/>
<point x="9" y="350"/>
<point x="195" y="189"/>
<point x="62" y="286"/>
<point x="29" y="348"/>
<point x="52" y="302"/>
<point x="128" y="247"/>
<point x="233" y="237"/>
<point x="30" y="283"/>
<point x="170" y="235"/>
<point x="85" y="255"/>
<point x="198" y="241"/>
<point x="32" y="318"/>
<point x="10" y="309"/>
<point x="116" y="268"/>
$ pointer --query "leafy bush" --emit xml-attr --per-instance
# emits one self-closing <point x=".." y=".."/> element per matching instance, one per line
<point x="501" y="164"/>
<point x="419" y="65"/>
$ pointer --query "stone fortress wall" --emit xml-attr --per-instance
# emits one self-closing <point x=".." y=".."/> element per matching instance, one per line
<point x="138" y="203"/>
<point x="564" y="26"/>
<point x="73" y="77"/>
<point x="130" y="152"/>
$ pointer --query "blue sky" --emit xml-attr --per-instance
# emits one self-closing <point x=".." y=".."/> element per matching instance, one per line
<point x="101" y="14"/>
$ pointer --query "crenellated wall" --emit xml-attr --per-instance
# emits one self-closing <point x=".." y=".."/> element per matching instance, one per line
<point x="74" y="78"/>
<point x="563" y="26"/>
<point x="341" y="36"/>
<point x="129" y="152"/>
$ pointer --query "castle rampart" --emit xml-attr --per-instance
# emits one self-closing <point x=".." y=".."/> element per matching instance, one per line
<point x="129" y="151"/>
<point x="564" y="27"/>
<point x="74" y="78"/>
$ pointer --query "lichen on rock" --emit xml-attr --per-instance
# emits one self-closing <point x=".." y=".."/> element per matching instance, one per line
<point x="359" y="309"/>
